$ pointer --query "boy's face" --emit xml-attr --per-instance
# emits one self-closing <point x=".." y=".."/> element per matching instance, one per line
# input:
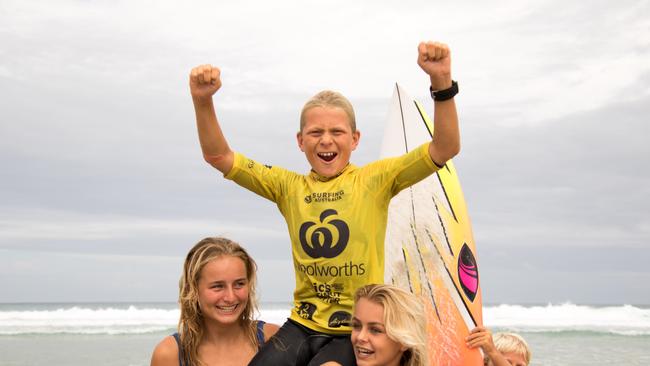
<point x="515" y="359"/>
<point x="327" y="140"/>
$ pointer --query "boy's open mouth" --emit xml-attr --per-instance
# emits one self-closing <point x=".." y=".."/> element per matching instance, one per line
<point x="327" y="156"/>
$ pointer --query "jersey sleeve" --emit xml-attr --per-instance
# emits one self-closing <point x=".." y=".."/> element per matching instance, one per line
<point x="267" y="181"/>
<point x="395" y="174"/>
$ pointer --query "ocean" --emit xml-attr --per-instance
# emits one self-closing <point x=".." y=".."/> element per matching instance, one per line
<point x="123" y="334"/>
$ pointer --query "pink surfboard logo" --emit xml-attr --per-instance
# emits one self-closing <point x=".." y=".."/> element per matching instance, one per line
<point x="468" y="272"/>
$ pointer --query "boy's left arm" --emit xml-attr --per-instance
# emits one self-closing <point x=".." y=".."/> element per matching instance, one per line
<point x="435" y="59"/>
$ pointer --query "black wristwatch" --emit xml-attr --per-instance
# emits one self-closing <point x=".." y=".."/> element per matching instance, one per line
<point x="446" y="94"/>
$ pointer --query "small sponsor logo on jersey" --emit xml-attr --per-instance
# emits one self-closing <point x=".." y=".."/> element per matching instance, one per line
<point x="329" y="293"/>
<point x="339" y="319"/>
<point x="327" y="287"/>
<point x="306" y="310"/>
<point x="324" y="196"/>
<point x="250" y="164"/>
<point x="317" y="240"/>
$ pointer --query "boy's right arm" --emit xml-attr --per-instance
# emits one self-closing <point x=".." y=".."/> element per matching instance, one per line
<point x="205" y="80"/>
<point x="482" y="337"/>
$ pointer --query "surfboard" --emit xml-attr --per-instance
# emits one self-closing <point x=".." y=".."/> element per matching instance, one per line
<point x="430" y="248"/>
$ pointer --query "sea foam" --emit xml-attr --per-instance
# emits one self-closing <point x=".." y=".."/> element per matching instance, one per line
<point x="109" y="320"/>
<point x="624" y="319"/>
<point x="135" y="319"/>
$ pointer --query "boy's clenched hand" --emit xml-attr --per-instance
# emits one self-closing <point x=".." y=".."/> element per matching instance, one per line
<point x="435" y="59"/>
<point x="205" y="80"/>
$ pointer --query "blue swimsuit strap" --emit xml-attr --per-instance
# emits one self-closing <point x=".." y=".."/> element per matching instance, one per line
<point x="180" y="349"/>
<point x="260" y="341"/>
<point x="260" y="333"/>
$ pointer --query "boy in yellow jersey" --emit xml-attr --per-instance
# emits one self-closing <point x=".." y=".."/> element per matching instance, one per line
<point x="336" y="214"/>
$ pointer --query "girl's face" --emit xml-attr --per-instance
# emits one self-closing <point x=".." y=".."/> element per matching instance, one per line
<point x="372" y="346"/>
<point x="223" y="290"/>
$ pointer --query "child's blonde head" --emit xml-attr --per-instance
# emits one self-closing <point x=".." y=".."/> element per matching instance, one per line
<point x="512" y="343"/>
<point x="331" y="99"/>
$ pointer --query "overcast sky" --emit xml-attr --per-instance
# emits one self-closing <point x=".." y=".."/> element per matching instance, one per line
<point x="103" y="187"/>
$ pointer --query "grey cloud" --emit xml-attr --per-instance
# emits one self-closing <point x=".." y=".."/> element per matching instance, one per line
<point x="584" y="172"/>
<point x="99" y="124"/>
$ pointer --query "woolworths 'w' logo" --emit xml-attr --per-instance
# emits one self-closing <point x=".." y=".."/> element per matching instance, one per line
<point x="318" y="240"/>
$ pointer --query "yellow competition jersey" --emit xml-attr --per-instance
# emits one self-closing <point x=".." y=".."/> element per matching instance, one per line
<point x="337" y="228"/>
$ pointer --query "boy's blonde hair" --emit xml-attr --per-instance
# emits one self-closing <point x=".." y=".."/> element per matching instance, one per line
<point x="512" y="343"/>
<point x="404" y="320"/>
<point x="329" y="98"/>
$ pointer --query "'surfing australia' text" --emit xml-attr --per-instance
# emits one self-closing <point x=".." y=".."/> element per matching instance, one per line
<point x="324" y="196"/>
<point x="348" y="269"/>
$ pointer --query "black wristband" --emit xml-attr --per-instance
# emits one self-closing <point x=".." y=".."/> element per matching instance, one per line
<point x="442" y="95"/>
